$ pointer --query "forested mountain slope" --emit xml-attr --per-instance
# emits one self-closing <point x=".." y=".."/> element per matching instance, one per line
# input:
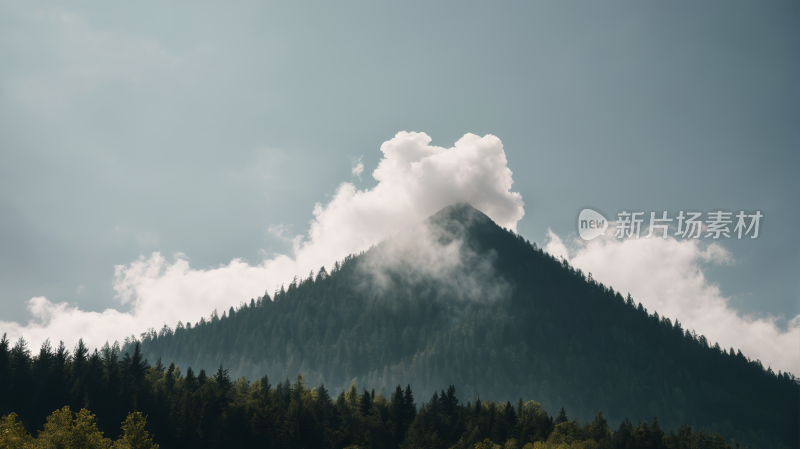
<point x="459" y="300"/>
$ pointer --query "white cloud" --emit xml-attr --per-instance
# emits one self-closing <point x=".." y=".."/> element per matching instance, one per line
<point x="358" y="168"/>
<point x="415" y="180"/>
<point x="666" y="275"/>
<point x="441" y="257"/>
<point x="62" y="322"/>
<point x="555" y="246"/>
<point x="282" y="231"/>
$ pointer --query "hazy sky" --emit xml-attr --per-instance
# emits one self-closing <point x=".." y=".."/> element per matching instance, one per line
<point x="211" y="130"/>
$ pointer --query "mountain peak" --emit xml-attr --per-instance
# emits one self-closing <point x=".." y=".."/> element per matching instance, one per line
<point x="459" y="300"/>
<point x="460" y="217"/>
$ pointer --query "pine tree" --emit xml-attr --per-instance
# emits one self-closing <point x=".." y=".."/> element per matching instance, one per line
<point x="599" y="430"/>
<point x="159" y="366"/>
<point x="562" y="416"/>
<point x="322" y="392"/>
<point x="79" y="359"/>
<point x="366" y="403"/>
<point x="137" y="365"/>
<point x="5" y="370"/>
<point x="169" y="377"/>
<point x="266" y="386"/>
<point x="657" y="435"/>
<point x="190" y="381"/>
<point x="623" y="437"/>
<point x="410" y="409"/>
<point x="20" y="379"/>
<point x="223" y="380"/>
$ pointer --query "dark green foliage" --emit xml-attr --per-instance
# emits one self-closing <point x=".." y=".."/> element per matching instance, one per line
<point x="222" y="414"/>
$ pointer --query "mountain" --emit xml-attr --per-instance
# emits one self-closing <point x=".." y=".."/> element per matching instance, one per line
<point x="457" y="300"/>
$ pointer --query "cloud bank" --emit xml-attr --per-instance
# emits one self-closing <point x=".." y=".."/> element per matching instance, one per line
<point x="415" y="180"/>
<point x="666" y="276"/>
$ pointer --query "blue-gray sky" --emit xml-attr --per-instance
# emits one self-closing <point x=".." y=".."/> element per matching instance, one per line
<point x="194" y="128"/>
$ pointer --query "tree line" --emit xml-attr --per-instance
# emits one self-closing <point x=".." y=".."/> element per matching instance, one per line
<point x="171" y="409"/>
